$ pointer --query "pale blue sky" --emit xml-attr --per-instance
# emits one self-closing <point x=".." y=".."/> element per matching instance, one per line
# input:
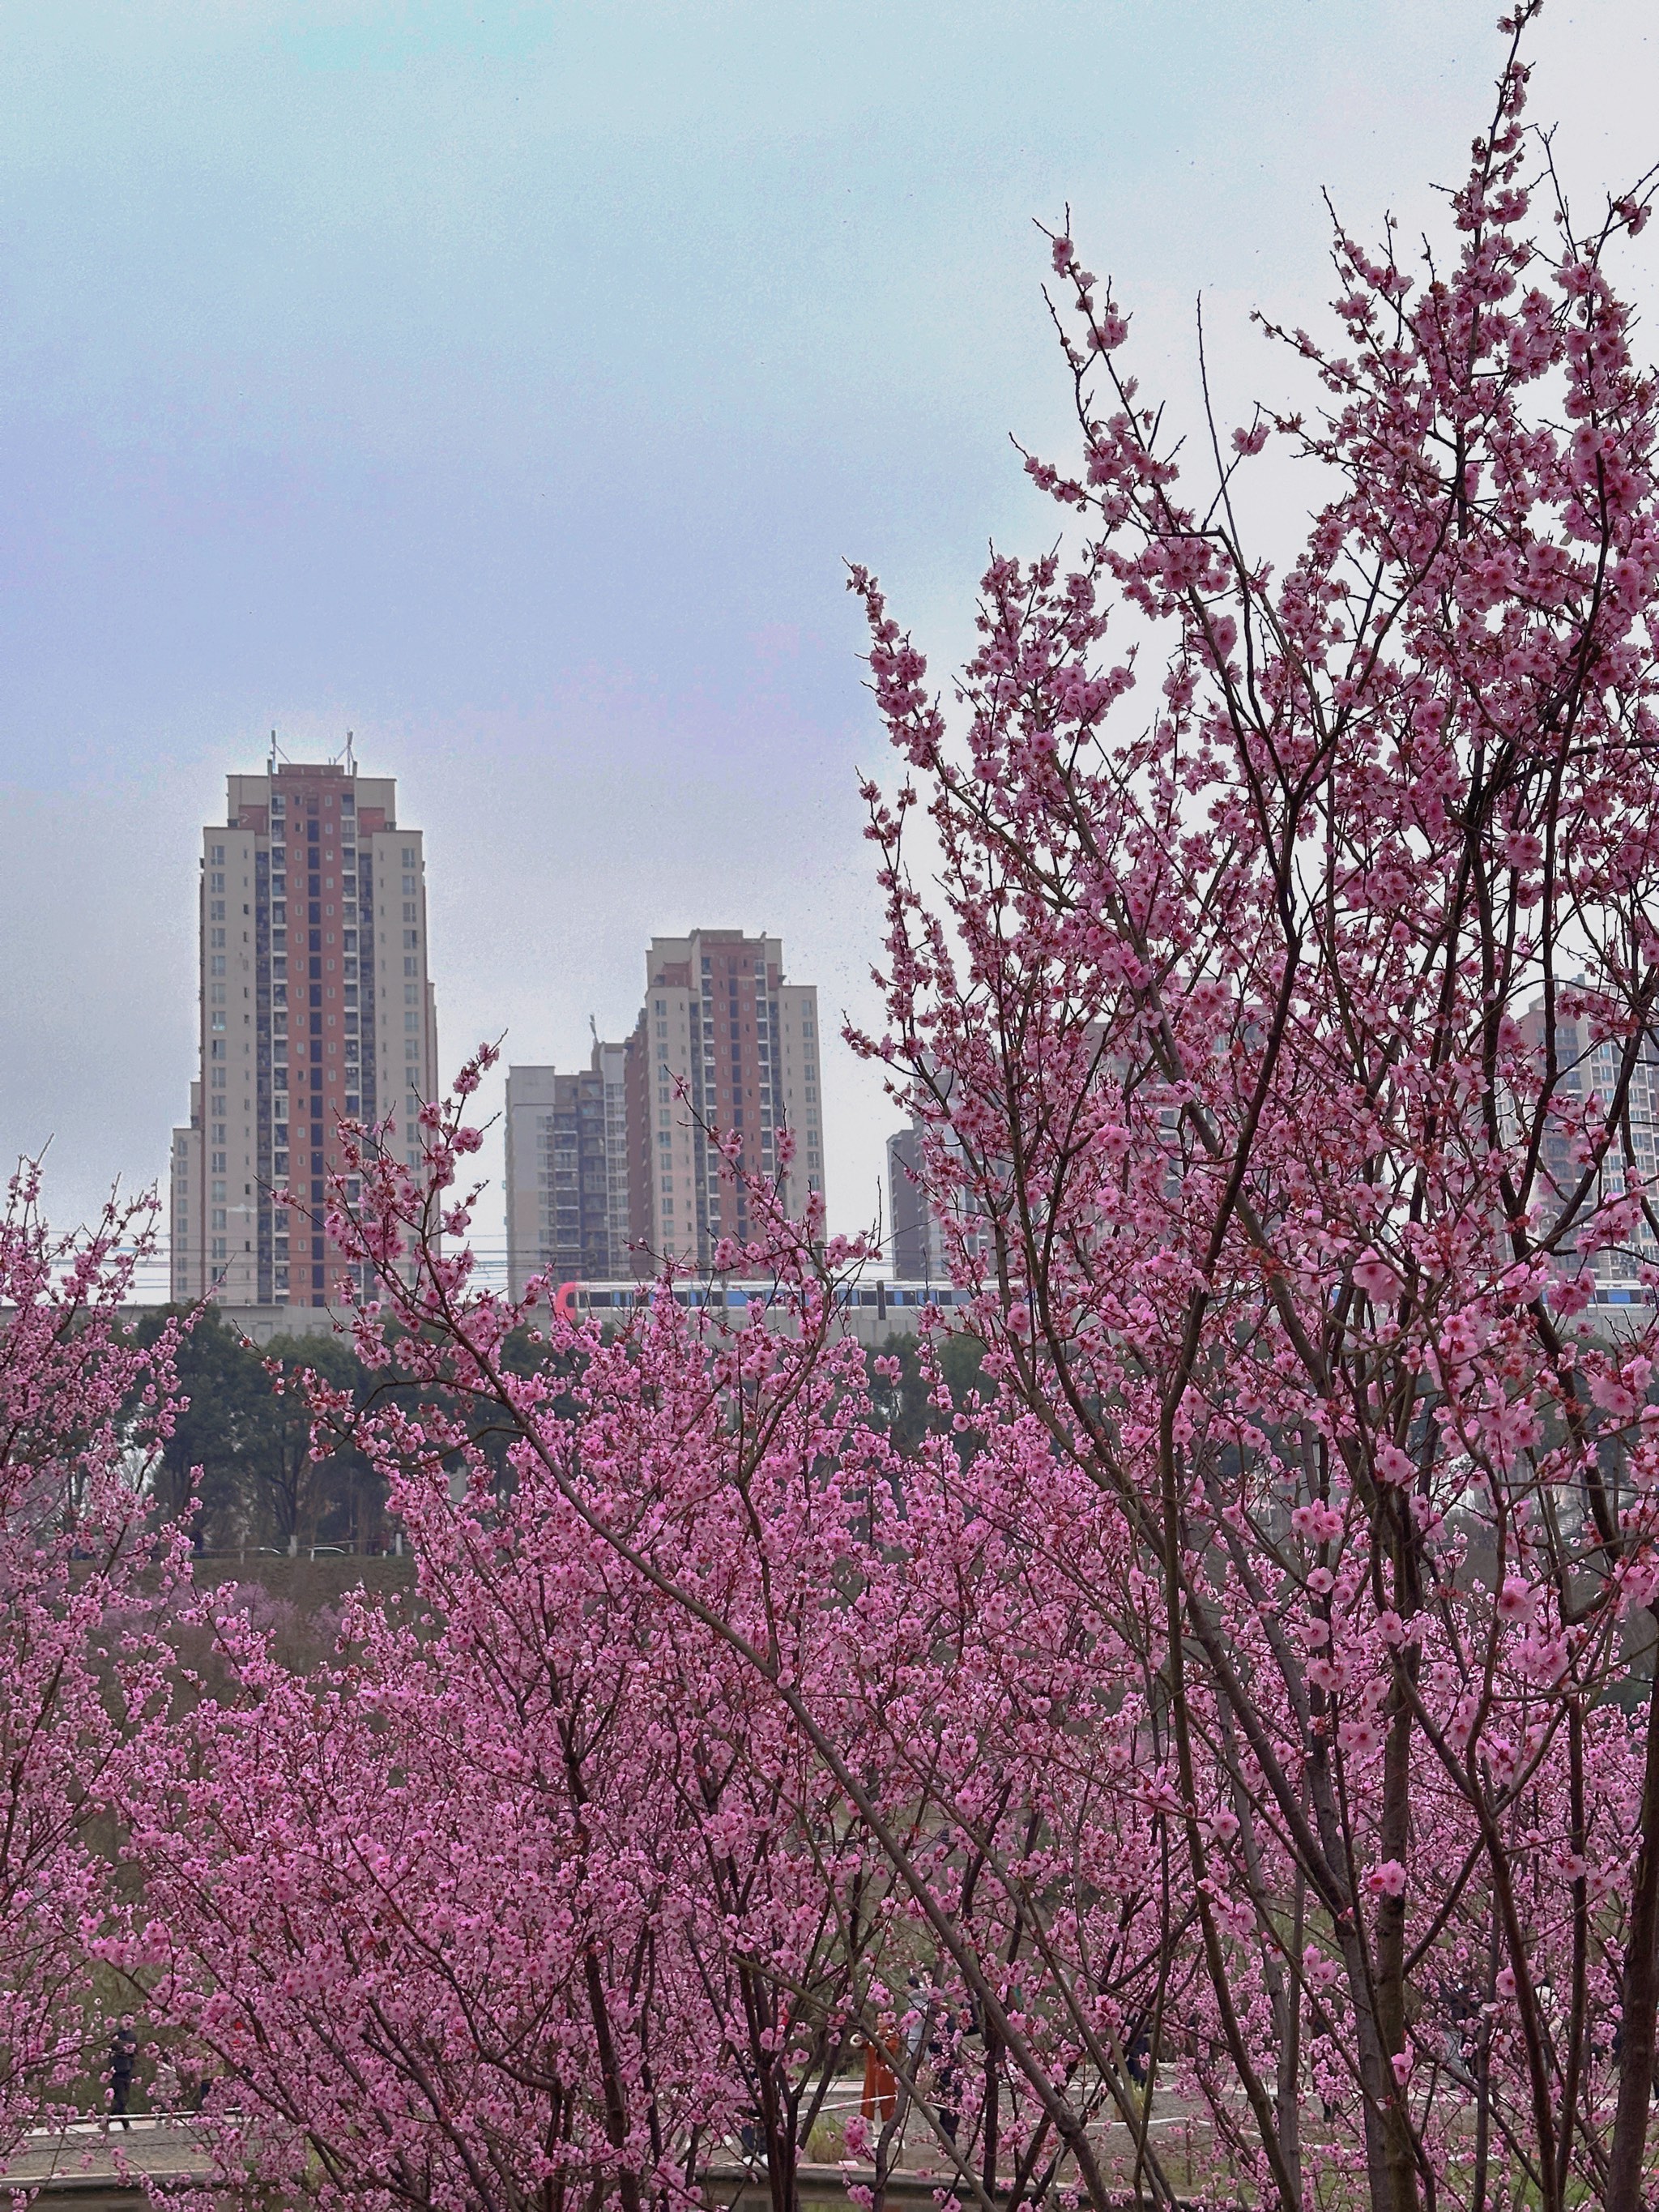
<point x="509" y="383"/>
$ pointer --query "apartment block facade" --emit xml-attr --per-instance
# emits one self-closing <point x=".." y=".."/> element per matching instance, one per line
<point x="922" y="1247"/>
<point x="316" y="1005"/>
<point x="1590" y="1063"/>
<point x="187" y="1201"/>
<point x="721" y="1018"/>
<point x="567" y="1172"/>
<point x="914" y="1250"/>
<point x="724" y="1042"/>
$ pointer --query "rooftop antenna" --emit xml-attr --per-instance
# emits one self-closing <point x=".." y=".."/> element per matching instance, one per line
<point x="350" y="758"/>
<point x="273" y="752"/>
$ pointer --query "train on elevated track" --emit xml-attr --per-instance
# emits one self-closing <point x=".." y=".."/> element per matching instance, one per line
<point x="871" y="1311"/>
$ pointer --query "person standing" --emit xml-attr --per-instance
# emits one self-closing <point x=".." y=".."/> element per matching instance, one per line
<point x="880" y="2098"/>
<point x="123" y="2058"/>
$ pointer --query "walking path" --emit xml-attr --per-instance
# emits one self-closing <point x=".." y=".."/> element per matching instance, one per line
<point x="86" y="2159"/>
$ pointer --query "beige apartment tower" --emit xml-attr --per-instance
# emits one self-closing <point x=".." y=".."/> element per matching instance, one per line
<point x="316" y="1006"/>
<point x="721" y="1018"/>
<point x="614" y="1168"/>
<point x="567" y="1172"/>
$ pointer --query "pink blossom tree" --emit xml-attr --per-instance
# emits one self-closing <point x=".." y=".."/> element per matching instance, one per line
<point x="532" y="1895"/>
<point x="724" y="1733"/>
<point x="1250" y="1695"/>
<point x="1293" y="1037"/>
<point x="81" y="1586"/>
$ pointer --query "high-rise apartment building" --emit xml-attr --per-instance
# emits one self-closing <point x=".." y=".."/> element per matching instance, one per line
<point x="912" y="1240"/>
<point x="720" y="1017"/>
<point x="611" y="1169"/>
<point x="567" y="1172"/>
<point x="188" y="1194"/>
<point x="1588" y="1062"/>
<point x="923" y="1246"/>
<point x="316" y="1005"/>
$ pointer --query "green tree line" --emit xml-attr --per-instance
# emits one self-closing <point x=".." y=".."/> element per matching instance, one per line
<point x="240" y="1462"/>
<point x="243" y="1463"/>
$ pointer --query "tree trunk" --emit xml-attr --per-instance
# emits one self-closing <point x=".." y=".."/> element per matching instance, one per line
<point x="1639" y="1987"/>
<point x="1397" y="2148"/>
<point x="1287" y="2020"/>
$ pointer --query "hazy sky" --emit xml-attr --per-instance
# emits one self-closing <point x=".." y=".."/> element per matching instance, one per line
<point x="509" y="383"/>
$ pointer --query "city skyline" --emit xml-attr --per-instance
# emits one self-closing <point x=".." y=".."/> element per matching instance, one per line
<point x="537" y="465"/>
<point x="316" y="1004"/>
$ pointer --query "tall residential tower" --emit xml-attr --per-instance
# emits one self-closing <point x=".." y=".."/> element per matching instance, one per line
<point x="612" y="1169"/>
<point x="316" y="1005"/>
<point x="718" y="1015"/>
<point x="567" y="1172"/>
